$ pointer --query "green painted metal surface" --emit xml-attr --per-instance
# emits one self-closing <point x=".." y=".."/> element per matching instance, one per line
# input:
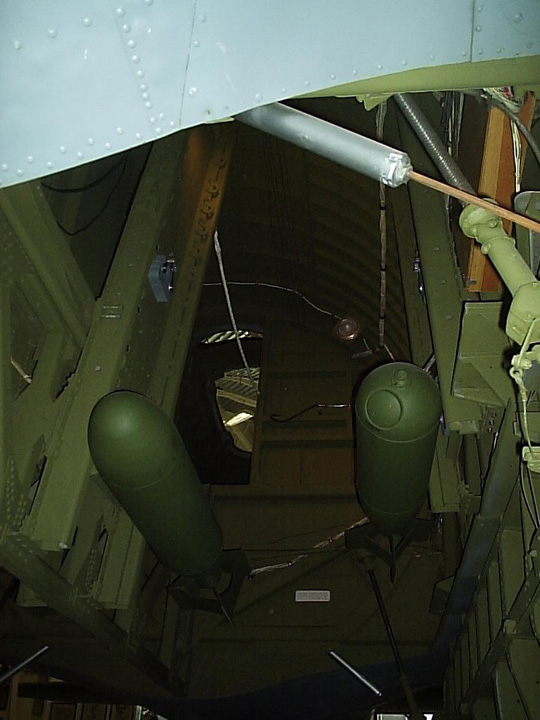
<point x="481" y="370"/>
<point x="426" y="219"/>
<point x="485" y="227"/>
<point x="140" y="455"/>
<point x="488" y="230"/>
<point x="397" y="417"/>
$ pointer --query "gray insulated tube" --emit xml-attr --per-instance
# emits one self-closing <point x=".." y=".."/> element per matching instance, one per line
<point x="359" y="153"/>
<point x="433" y="144"/>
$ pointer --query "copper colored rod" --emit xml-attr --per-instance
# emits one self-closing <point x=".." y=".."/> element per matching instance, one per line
<point x="473" y="200"/>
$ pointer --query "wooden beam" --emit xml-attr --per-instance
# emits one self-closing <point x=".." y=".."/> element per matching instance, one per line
<point x="497" y="182"/>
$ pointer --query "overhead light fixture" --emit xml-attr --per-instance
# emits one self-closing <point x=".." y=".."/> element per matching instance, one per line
<point x="347" y="329"/>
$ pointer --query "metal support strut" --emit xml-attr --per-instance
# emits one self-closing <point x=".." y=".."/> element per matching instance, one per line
<point x="403" y="677"/>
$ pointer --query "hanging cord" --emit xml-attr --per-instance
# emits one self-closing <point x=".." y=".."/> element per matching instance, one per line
<point x="502" y="99"/>
<point x="105" y="205"/>
<point x="381" y="114"/>
<point x="217" y="249"/>
<point x="89" y="185"/>
<point x="518" y="154"/>
<point x="516" y="373"/>
<point x="298" y="558"/>
<point x="379" y="122"/>
<point x="22" y="372"/>
<point x="278" y="287"/>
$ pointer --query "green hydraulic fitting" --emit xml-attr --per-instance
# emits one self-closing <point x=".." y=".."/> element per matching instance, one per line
<point x="486" y="227"/>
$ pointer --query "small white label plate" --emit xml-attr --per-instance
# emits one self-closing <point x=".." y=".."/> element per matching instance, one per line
<point x="312" y="596"/>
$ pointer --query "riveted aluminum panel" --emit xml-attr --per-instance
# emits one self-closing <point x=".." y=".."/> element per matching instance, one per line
<point x="81" y="80"/>
<point x="84" y="79"/>
<point x="503" y="28"/>
<point x="284" y="49"/>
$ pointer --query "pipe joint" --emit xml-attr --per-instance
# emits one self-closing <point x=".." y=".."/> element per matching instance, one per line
<point x="398" y="167"/>
<point x="474" y="221"/>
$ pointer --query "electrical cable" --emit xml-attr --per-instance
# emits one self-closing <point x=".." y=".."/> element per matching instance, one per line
<point x="430" y="362"/>
<point x="298" y="558"/>
<point x="264" y="546"/>
<point x="518" y="155"/>
<point x="22" y="372"/>
<point x="516" y="374"/>
<point x="90" y="185"/>
<point x="277" y="287"/>
<point x="494" y="98"/>
<point x="101" y="210"/>
<point x="279" y="419"/>
<point x="366" y="353"/>
<point x="381" y="114"/>
<point x="217" y="250"/>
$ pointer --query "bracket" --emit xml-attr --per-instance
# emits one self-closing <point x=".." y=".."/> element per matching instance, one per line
<point x="188" y="593"/>
<point x="161" y="277"/>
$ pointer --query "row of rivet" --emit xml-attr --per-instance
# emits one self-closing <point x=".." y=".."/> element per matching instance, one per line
<point x="87" y="22"/>
<point x="63" y="150"/>
<point x="307" y="83"/>
<point x="143" y="87"/>
<point x="518" y="17"/>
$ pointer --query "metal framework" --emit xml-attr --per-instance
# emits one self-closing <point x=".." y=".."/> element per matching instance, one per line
<point x="63" y="535"/>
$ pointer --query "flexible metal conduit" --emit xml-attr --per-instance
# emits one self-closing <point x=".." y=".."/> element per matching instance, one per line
<point x="432" y="143"/>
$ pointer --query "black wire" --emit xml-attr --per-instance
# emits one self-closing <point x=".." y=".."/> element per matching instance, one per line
<point x="278" y="419"/>
<point x="276" y="554"/>
<point x="90" y="185"/>
<point x="100" y="212"/>
<point x="265" y="545"/>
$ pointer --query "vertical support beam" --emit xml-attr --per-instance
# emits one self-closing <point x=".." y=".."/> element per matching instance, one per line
<point x="19" y="558"/>
<point x="53" y="518"/>
<point x="497" y="491"/>
<point x="32" y="220"/>
<point x="6" y="402"/>
<point x="428" y="220"/>
<point x="497" y="182"/>
<point x="203" y="209"/>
